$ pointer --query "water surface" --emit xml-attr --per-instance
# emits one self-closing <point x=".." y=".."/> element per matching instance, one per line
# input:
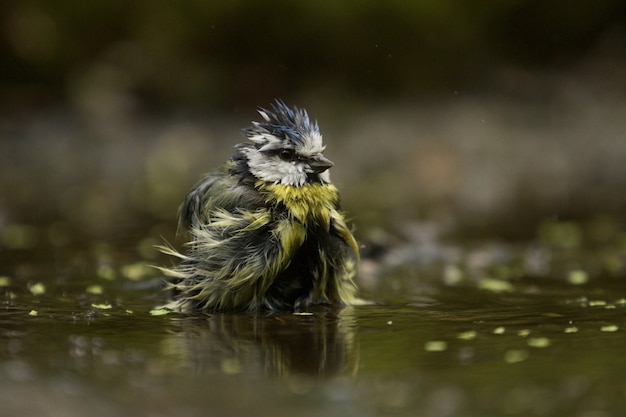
<point x="80" y="335"/>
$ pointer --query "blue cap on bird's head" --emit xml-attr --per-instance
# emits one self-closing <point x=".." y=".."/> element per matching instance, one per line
<point x="286" y="147"/>
<point x="283" y="124"/>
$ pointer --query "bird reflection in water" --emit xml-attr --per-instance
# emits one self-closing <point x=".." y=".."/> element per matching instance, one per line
<point x="321" y="342"/>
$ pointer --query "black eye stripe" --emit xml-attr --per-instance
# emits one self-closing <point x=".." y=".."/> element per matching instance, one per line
<point x="286" y="154"/>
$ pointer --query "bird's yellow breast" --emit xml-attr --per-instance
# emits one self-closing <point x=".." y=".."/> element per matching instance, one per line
<point x="310" y="202"/>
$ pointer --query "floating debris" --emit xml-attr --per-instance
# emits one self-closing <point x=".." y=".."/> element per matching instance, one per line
<point x="37" y="289"/>
<point x="94" y="289"/>
<point x="452" y="275"/>
<point x="499" y="330"/>
<point x="302" y="313"/>
<point x="435" y="346"/>
<point x="538" y="342"/>
<point x="103" y="306"/>
<point x="571" y="329"/>
<point x="136" y="271"/>
<point x="578" y="277"/>
<point x="495" y="285"/>
<point x="159" y="312"/>
<point x="468" y="335"/>
<point x="33" y="313"/>
<point x="610" y="328"/>
<point x="5" y="281"/>
<point x="516" y="355"/>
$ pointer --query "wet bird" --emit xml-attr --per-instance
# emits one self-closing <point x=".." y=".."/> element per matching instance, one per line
<point x="266" y="232"/>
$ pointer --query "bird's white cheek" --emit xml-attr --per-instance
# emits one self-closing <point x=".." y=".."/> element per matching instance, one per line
<point x="292" y="174"/>
<point x="274" y="170"/>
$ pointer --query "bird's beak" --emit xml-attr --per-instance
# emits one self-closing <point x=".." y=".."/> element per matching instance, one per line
<point x="319" y="163"/>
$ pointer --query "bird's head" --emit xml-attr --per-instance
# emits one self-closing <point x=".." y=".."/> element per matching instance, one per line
<point x="286" y="147"/>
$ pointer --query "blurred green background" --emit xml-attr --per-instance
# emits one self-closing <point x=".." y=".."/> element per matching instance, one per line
<point x="488" y="116"/>
<point x="215" y="54"/>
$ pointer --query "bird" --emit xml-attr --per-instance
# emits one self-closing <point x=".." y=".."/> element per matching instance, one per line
<point x="266" y="232"/>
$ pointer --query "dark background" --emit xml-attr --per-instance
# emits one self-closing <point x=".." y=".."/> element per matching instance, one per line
<point x="490" y="116"/>
<point x="215" y="55"/>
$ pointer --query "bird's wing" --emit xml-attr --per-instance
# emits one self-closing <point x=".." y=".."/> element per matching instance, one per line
<point x="217" y="190"/>
<point x="340" y="228"/>
<point x="237" y="246"/>
<point x="191" y="208"/>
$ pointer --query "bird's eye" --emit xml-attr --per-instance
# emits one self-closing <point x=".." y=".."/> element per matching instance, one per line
<point x="287" y="154"/>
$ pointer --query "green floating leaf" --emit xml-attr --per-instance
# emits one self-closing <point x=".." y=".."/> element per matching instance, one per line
<point x="495" y="285"/>
<point x="452" y="275"/>
<point x="468" y="335"/>
<point x="435" y="346"/>
<point x="136" y="271"/>
<point x="38" y="289"/>
<point x="159" y="312"/>
<point x="578" y="277"/>
<point x="94" y="289"/>
<point x="516" y="355"/>
<point x="103" y="306"/>
<point x="609" y="329"/>
<point x="499" y="330"/>
<point x="539" y="342"/>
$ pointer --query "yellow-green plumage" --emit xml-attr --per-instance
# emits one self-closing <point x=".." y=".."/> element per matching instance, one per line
<point x="311" y="203"/>
<point x="267" y="232"/>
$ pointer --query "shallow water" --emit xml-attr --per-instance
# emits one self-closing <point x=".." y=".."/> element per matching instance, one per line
<point x="80" y="335"/>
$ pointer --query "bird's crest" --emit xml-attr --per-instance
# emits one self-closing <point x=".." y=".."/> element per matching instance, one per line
<point x="281" y="124"/>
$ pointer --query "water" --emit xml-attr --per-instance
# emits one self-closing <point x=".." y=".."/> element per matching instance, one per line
<point x="79" y="335"/>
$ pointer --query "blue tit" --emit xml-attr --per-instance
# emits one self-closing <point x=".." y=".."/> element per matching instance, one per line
<point x="266" y="232"/>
